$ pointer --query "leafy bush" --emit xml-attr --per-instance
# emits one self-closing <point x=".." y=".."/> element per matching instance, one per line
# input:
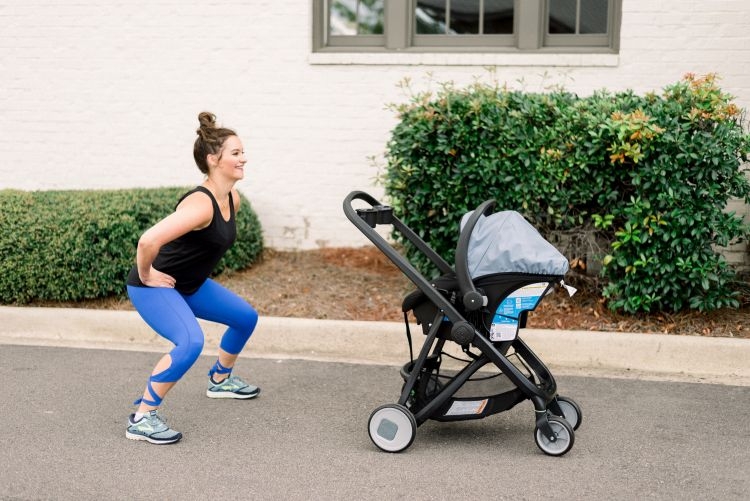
<point x="649" y="175"/>
<point x="683" y="156"/>
<point x="74" y="245"/>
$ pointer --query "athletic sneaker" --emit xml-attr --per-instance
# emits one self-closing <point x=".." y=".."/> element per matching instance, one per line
<point x="232" y="387"/>
<point x="152" y="428"/>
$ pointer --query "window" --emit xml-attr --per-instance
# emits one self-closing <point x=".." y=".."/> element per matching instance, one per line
<point x="446" y="23"/>
<point x="577" y="23"/>
<point x="466" y="25"/>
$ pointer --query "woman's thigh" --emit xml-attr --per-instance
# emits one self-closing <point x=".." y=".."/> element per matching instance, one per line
<point x="216" y="303"/>
<point x="165" y="310"/>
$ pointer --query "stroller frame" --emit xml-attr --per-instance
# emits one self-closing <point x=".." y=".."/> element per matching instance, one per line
<point x="392" y="427"/>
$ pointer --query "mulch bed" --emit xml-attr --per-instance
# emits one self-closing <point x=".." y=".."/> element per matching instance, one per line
<point x="361" y="284"/>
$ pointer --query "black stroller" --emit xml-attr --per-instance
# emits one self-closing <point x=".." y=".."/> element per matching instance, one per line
<point x="480" y="305"/>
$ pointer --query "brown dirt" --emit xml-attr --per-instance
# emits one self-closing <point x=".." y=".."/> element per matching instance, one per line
<point x="361" y="284"/>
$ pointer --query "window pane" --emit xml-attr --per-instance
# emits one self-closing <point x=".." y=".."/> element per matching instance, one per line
<point x="343" y="20"/>
<point x="371" y="17"/>
<point x="356" y="17"/>
<point x="430" y="16"/>
<point x="498" y="17"/>
<point x="464" y="17"/>
<point x="593" y="16"/>
<point x="562" y="16"/>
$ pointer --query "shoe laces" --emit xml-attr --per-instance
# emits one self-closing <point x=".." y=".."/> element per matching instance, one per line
<point x="155" y="418"/>
<point x="237" y="380"/>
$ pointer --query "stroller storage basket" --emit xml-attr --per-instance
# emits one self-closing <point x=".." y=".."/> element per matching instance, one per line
<point x="479" y="397"/>
<point x="482" y="315"/>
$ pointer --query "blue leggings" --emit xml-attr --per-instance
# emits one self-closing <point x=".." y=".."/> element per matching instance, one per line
<point x="174" y="316"/>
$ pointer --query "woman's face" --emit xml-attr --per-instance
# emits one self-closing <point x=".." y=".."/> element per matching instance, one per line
<point x="230" y="162"/>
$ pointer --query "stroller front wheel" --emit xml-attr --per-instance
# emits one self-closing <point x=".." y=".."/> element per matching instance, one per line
<point x="392" y="427"/>
<point x="564" y="437"/>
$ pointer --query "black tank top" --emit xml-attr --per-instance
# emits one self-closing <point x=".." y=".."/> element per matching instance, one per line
<point x="191" y="258"/>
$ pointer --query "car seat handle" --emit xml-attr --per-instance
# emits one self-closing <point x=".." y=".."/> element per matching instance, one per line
<point x="471" y="298"/>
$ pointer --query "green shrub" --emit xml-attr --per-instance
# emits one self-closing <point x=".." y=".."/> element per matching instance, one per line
<point x="649" y="175"/>
<point x="75" y="245"/>
<point x="682" y="154"/>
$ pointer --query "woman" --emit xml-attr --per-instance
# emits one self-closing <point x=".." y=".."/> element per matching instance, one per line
<point x="170" y="285"/>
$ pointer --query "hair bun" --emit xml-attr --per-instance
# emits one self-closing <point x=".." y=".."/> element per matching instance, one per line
<point x="207" y="120"/>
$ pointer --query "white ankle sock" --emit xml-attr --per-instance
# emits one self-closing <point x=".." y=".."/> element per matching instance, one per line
<point x="138" y="416"/>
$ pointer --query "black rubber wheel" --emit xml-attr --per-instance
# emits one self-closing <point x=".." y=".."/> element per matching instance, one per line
<point x="564" y="437"/>
<point x="392" y="427"/>
<point x="571" y="411"/>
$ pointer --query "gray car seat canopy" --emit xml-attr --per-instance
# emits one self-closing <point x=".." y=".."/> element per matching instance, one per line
<point x="504" y="242"/>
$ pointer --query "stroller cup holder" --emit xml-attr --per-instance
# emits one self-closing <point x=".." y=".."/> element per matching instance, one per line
<point x="483" y="316"/>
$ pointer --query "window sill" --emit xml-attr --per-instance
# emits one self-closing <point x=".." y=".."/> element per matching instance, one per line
<point x="464" y="59"/>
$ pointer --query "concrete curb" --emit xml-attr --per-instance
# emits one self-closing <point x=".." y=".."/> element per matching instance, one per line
<point x="646" y="356"/>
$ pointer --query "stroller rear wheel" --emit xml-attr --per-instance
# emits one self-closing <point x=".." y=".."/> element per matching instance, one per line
<point x="570" y="410"/>
<point x="392" y="427"/>
<point x="564" y="437"/>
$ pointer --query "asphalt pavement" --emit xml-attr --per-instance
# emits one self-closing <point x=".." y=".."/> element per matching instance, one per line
<point x="663" y="417"/>
<point x="305" y="437"/>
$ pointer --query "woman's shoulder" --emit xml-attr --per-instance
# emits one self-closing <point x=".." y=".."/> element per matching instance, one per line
<point x="198" y="195"/>
<point x="198" y="204"/>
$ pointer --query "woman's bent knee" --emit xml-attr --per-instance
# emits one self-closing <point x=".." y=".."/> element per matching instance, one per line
<point x="250" y="320"/>
<point x="184" y="355"/>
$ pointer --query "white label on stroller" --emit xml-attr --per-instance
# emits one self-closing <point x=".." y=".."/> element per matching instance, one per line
<point x="504" y="331"/>
<point x="505" y="322"/>
<point x="464" y="407"/>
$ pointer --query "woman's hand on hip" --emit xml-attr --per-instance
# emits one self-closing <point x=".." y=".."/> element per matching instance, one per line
<point x="156" y="278"/>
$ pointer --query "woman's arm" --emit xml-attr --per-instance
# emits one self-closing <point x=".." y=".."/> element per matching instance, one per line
<point x="194" y="212"/>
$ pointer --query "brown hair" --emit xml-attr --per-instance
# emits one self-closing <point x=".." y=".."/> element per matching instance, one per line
<point x="210" y="139"/>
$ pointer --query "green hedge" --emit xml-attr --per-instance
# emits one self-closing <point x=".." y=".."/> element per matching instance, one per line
<point x="75" y="245"/>
<point x="649" y="176"/>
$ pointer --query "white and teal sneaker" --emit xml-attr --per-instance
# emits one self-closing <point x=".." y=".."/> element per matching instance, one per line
<point x="151" y="428"/>
<point x="231" y="387"/>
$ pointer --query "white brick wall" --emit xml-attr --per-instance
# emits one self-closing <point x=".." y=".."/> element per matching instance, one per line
<point x="106" y="94"/>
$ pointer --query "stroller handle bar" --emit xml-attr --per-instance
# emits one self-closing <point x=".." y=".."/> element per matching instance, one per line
<point x="366" y="219"/>
<point x="472" y="299"/>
